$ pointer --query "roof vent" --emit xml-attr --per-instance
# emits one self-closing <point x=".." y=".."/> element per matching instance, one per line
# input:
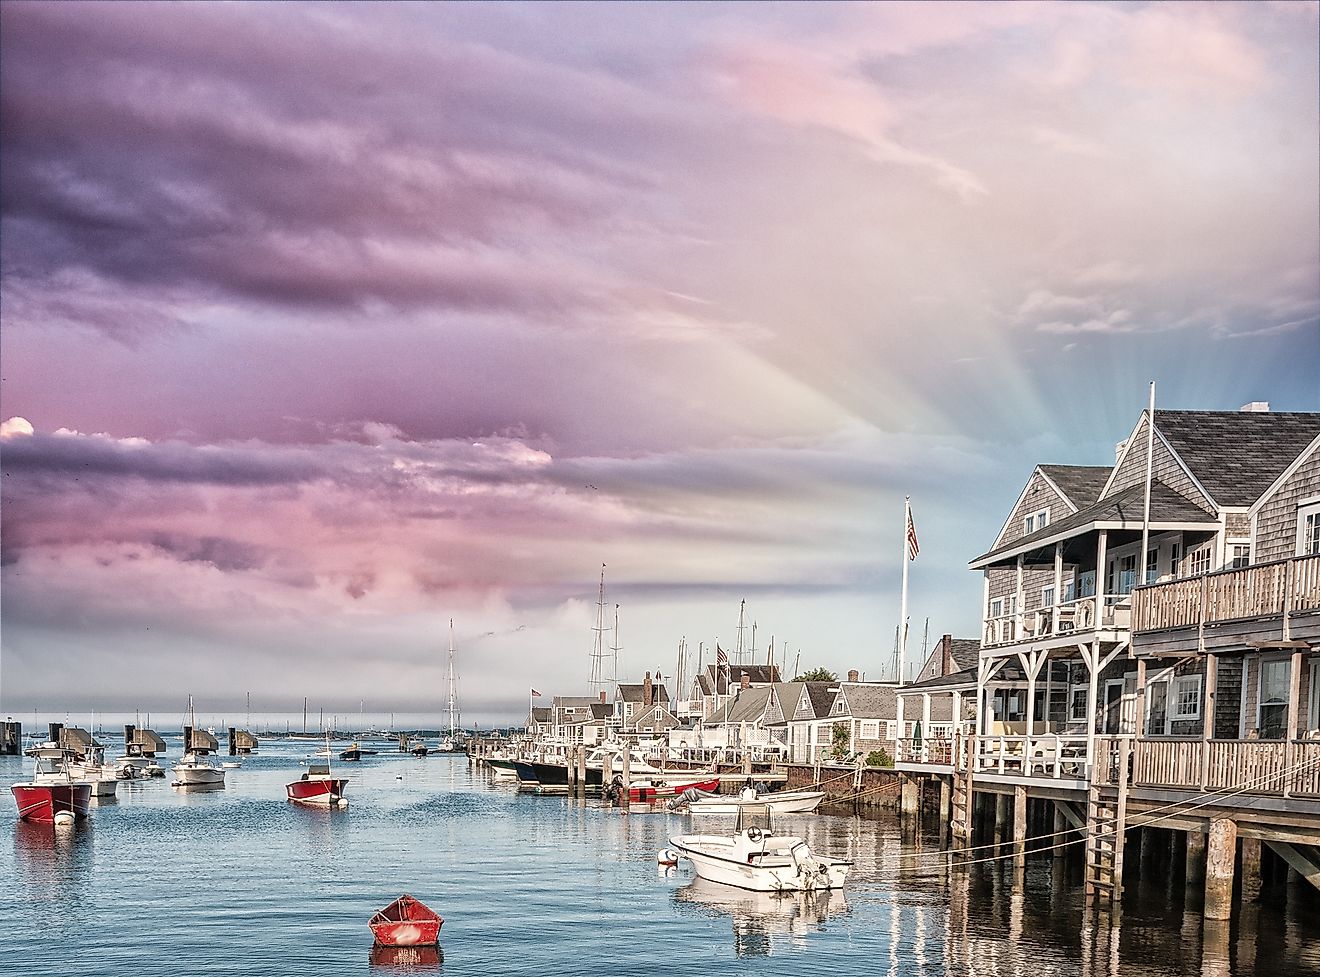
<point x="1118" y="451"/>
<point x="1256" y="407"/>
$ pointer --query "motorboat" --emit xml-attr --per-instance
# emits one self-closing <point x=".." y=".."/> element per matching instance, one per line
<point x="757" y="859"/>
<point x="140" y="749"/>
<point x="779" y="802"/>
<point x="658" y="788"/>
<point x="356" y="752"/>
<point x="197" y="770"/>
<point x="318" y="786"/>
<point x="406" y="922"/>
<point x="231" y="764"/>
<point x="91" y="768"/>
<point x="52" y="795"/>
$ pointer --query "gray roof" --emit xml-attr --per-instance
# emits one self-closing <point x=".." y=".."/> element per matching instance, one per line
<point x="634" y="692"/>
<point x="574" y="701"/>
<point x="601" y="710"/>
<point x="1166" y="506"/>
<point x="148" y="739"/>
<point x="1082" y="484"/>
<point x="868" y="700"/>
<point x="657" y="715"/>
<point x="720" y="681"/>
<point x="965" y="651"/>
<point x="748" y="706"/>
<point x="1237" y="455"/>
<point x="540" y="714"/>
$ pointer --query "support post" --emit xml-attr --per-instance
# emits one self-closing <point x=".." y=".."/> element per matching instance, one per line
<point x="1058" y="587"/>
<point x="1208" y="715"/>
<point x="910" y="799"/>
<point x="1221" y="853"/>
<point x="1195" y="860"/>
<point x="1019" y="827"/>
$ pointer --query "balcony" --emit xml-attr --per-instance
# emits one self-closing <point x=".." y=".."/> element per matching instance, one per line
<point x="1271" y="768"/>
<point x="1272" y="594"/>
<point x="1066" y="620"/>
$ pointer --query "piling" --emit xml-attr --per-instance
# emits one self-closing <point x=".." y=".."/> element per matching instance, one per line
<point x="11" y="738"/>
<point x="627" y="779"/>
<point x="1195" y="860"/>
<point x="1250" y="868"/>
<point x="582" y="772"/>
<point x="1019" y="827"/>
<point x="909" y="798"/>
<point x="1220" y="854"/>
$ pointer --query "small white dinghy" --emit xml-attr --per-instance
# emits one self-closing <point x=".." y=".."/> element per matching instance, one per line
<point x="757" y="859"/>
<point x="783" y="802"/>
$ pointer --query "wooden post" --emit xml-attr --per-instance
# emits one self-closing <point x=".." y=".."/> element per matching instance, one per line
<point x="1294" y="703"/>
<point x="1018" y="612"/>
<point x="1250" y="868"/>
<point x="1100" y="574"/>
<point x="1222" y="852"/>
<point x="925" y="727"/>
<point x="1208" y="715"/>
<point x="1058" y="587"/>
<point x="627" y="776"/>
<point x="582" y="772"/>
<point x="1019" y="828"/>
<point x="900" y="751"/>
<point x="1195" y="860"/>
<point x="910" y="798"/>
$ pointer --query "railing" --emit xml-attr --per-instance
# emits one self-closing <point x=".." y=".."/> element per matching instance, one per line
<point x="1069" y="617"/>
<point x="1043" y="755"/>
<point x="926" y="749"/>
<point x="1272" y="589"/>
<point x="1226" y="767"/>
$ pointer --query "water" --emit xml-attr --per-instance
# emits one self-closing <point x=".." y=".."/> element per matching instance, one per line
<point x="240" y="881"/>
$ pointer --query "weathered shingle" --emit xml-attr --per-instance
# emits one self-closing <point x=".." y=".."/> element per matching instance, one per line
<point x="1082" y="484"/>
<point x="1237" y="455"/>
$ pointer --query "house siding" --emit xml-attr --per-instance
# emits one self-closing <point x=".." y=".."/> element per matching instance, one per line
<point x="1228" y="697"/>
<point x="1166" y="469"/>
<point x="1038" y="495"/>
<point x="1276" y="520"/>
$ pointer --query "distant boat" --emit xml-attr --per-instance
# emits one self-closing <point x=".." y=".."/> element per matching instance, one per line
<point x="406" y="922"/>
<point x="421" y="749"/>
<point x="318" y="786"/>
<point x="783" y="802"/>
<point x="52" y="794"/>
<point x="355" y="752"/>
<point x="196" y="769"/>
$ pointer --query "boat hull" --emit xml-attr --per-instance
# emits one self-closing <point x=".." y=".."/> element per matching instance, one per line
<point x="40" y="803"/>
<point x="655" y="790"/>
<point x="715" y="860"/>
<point x="406" y="923"/>
<point x="322" y="793"/>
<point x="198" y="776"/>
<point x="797" y="802"/>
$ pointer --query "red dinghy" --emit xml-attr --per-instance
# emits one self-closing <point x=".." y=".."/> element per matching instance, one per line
<point x="406" y="922"/>
<point x="654" y="790"/>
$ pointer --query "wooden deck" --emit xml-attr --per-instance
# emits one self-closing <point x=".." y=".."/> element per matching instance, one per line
<point x="1230" y="768"/>
<point x="1281" y="589"/>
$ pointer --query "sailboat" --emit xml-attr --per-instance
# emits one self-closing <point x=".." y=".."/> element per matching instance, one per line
<point x="196" y="769"/>
<point x="449" y="744"/>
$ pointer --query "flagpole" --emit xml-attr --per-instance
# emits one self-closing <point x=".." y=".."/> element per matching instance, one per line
<point x="903" y="612"/>
<point x="1150" y="462"/>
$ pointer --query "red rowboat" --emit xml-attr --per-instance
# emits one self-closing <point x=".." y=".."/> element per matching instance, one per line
<point x="406" y="922"/>
<point x="41" y="802"/>
<point x="656" y="789"/>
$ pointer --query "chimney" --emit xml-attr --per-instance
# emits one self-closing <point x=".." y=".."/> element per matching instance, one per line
<point x="1118" y="450"/>
<point x="853" y="675"/>
<point x="602" y="695"/>
<point x="745" y="681"/>
<point x="1255" y="407"/>
<point x="946" y="655"/>
<point x="647" y="691"/>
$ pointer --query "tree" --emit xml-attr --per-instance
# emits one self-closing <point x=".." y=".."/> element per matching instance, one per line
<point x="817" y="675"/>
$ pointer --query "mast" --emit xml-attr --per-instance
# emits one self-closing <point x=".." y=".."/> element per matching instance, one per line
<point x="598" y="680"/>
<point x="903" y="612"/>
<point x="742" y="613"/>
<point x="452" y="697"/>
<point x="615" y="649"/>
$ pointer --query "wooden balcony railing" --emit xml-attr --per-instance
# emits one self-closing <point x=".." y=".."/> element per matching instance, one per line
<point x="1043" y="755"/>
<point x="937" y="750"/>
<point x="1070" y="617"/>
<point x="1226" y="767"/>
<point x="1277" y="589"/>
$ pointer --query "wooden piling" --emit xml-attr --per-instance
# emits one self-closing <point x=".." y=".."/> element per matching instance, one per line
<point x="1019" y="827"/>
<point x="1221" y="852"/>
<point x="1195" y="860"/>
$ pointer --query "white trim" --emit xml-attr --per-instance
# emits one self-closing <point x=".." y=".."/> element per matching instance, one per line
<point x="1288" y="473"/>
<point x="1156" y="526"/>
<point x="1313" y="703"/>
<point x="1174" y="693"/>
<point x="1020" y="499"/>
<point x="1302" y="515"/>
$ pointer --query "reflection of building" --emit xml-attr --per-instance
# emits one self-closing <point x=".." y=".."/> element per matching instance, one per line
<point x="759" y="918"/>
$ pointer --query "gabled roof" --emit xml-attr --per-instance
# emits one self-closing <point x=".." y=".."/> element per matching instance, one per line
<point x="720" y="681"/>
<point x="1122" y="510"/>
<point x="1080" y="484"/>
<point x="748" y="706"/>
<point x="573" y="701"/>
<point x="870" y="700"/>
<point x="1237" y="455"/>
<point x="601" y="710"/>
<point x="657" y="715"/>
<point x="1286" y="474"/>
<point x="635" y="693"/>
<point x="540" y="714"/>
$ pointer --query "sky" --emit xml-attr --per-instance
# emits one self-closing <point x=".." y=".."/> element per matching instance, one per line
<point x="322" y="325"/>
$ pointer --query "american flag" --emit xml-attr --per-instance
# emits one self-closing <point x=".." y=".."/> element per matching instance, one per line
<point x="721" y="657"/>
<point x="912" y="548"/>
<point x="535" y="694"/>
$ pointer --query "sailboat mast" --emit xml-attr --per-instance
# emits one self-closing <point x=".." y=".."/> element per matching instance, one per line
<point x="451" y="678"/>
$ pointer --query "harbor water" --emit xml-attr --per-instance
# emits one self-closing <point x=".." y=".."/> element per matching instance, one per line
<point x="239" y="881"/>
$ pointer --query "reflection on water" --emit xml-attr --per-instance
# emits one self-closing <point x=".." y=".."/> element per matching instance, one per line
<point x="759" y="917"/>
<point x="54" y="864"/>
<point x="405" y="959"/>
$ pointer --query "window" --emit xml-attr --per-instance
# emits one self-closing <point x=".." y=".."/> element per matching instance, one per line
<point x="1198" y="560"/>
<point x="1239" y="555"/>
<point x="1152" y="565"/>
<point x="1272" y="711"/>
<point x="1036" y="521"/>
<point x="1175" y="554"/>
<point x="1186" y="697"/>
<point x="1047" y="596"/>
<point x="870" y="730"/>
<point x="1086" y="585"/>
<point x="1077" y="697"/>
<point x="1126" y="576"/>
<point x="1308" y="529"/>
<point x="1313" y="713"/>
<point x="1157" y="707"/>
<point x="997" y="607"/>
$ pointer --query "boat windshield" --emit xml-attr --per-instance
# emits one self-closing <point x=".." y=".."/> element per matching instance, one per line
<point x="753" y="816"/>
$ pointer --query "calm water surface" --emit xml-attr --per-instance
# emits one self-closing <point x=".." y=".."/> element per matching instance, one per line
<point x="240" y="881"/>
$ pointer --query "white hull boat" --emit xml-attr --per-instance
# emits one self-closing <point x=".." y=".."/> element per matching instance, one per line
<point x="754" y="858"/>
<point x="784" y="802"/>
<point x="196" y="771"/>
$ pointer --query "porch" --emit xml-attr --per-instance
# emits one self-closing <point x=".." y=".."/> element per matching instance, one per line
<point x="1232" y="768"/>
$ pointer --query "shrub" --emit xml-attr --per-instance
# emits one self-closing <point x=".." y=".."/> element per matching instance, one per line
<point x="879" y="758"/>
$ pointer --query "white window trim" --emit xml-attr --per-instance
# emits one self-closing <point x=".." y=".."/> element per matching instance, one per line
<point x="1190" y="556"/>
<point x="1175" y="690"/>
<point x="1313" y="708"/>
<point x="1054" y="598"/>
<point x="1073" y="717"/>
<point x="1305" y="508"/>
<point x="870" y="729"/>
<point x="1260" y="683"/>
<point x="1035" y="521"/>
<point x="1232" y="544"/>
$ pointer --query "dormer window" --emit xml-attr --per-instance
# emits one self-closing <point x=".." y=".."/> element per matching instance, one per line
<point x="1035" y="521"/>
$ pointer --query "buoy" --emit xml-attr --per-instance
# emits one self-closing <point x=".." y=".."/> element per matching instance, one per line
<point x="63" y="819"/>
<point x="666" y="856"/>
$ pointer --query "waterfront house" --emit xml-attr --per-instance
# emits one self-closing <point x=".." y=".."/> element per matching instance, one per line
<point x="632" y="700"/>
<point x="714" y="685"/>
<point x="539" y="724"/>
<point x="805" y="711"/>
<point x="863" y="718"/>
<point x="1194" y="656"/>
<point x="939" y="702"/>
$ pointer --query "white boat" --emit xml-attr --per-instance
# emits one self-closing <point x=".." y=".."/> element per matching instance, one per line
<point x="197" y="770"/>
<point x="757" y="859"/>
<point x="92" y="769"/>
<point x="231" y="764"/>
<point x="782" y="802"/>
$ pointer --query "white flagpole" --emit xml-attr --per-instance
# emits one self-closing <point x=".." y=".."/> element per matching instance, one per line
<point x="902" y="612"/>
<point x="1150" y="462"/>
